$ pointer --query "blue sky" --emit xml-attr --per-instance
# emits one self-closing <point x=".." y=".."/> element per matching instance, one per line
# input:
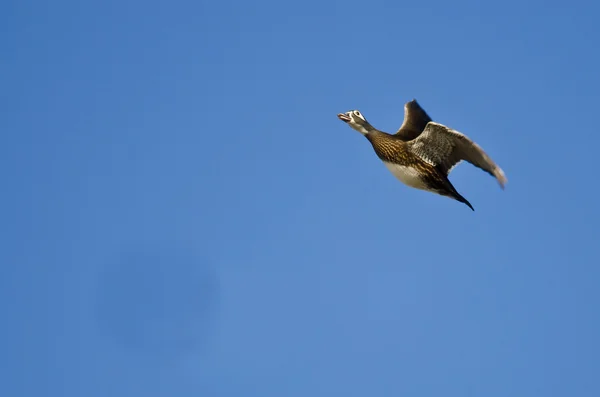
<point x="184" y="215"/>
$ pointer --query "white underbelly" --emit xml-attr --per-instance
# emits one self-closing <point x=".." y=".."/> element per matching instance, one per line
<point x="408" y="176"/>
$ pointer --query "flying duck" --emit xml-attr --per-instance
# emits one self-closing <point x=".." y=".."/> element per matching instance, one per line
<point x="425" y="161"/>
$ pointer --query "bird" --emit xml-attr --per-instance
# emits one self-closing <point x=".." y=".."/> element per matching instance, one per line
<point x="425" y="161"/>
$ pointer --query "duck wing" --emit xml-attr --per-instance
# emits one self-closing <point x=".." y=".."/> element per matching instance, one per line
<point x="415" y="121"/>
<point x="444" y="148"/>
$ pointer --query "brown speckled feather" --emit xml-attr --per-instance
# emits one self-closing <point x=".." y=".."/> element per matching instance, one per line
<point x="392" y="149"/>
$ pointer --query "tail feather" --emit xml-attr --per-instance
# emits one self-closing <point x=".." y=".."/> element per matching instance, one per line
<point x="460" y="198"/>
<point x="439" y="183"/>
<point x="450" y="191"/>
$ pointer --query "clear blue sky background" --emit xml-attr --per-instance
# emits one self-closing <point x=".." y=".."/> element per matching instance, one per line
<point x="184" y="215"/>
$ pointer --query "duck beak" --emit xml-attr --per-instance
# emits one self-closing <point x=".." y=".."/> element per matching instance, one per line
<point x="344" y="117"/>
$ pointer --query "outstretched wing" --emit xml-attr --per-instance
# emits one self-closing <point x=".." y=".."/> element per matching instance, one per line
<point x="444" y="148"/>
<point x="415" y="120"/>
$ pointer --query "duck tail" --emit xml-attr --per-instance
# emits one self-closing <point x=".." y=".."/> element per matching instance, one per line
<point x="460" y="198"/>
<point x="450" y="191"/>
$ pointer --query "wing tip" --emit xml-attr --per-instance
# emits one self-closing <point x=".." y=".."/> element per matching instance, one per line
<point x="501" y="177"/>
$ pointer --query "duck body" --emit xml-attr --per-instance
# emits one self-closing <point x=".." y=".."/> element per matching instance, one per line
<point x="394" y="154"/>
<point x="409" y="168"/>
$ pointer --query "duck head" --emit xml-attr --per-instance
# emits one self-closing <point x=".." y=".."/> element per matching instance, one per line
<point x="356" y="120"/>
